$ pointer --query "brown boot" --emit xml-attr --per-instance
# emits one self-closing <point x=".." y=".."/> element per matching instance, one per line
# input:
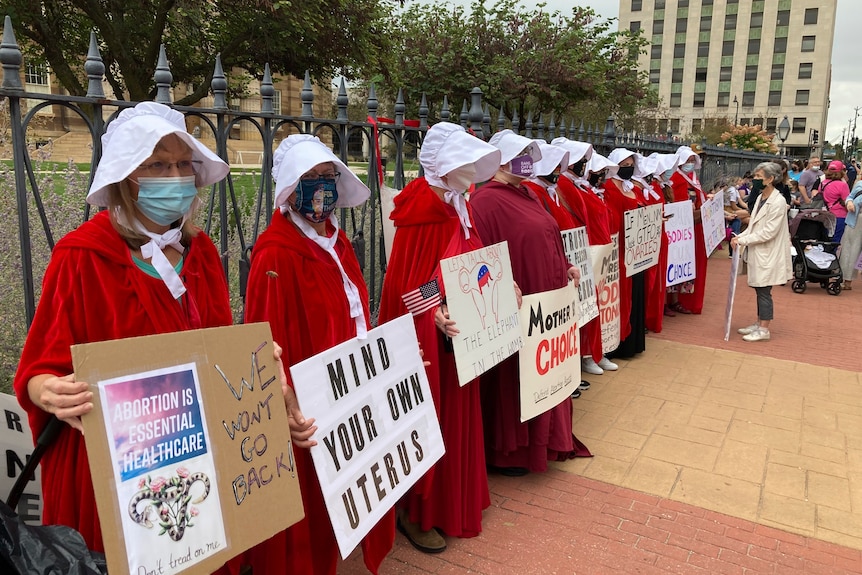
<point x="425" y="541"/>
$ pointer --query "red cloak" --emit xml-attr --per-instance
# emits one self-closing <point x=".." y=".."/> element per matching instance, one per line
<point x="93" y="291"/>
<point x="655" y="278"/>
<point x="565" y="219"/>
<point x="296" y="286"/>
<point x="682" y="191"/>
<point x="506" y="212"/>
<point x="452" y="496"/>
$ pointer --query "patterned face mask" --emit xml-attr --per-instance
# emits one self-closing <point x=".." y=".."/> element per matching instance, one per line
<point x="315" y="199"/>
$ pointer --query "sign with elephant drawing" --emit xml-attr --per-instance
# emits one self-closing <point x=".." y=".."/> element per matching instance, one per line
<point x="480" y="295"/>
<point x="189" y="447"/>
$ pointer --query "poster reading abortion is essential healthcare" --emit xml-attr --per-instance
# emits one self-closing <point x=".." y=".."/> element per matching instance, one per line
<point x="643" y="228"/>
<point x="550" y="362"/>
<point x="480" y="295"/>
<point x="577" y="248"/>
<point x="377" y="433"/>
<point x="163" y="466"/>
<point x="679" y="229"/>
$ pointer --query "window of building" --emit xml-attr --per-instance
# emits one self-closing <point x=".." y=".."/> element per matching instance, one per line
<point x="654" y="76"/>
<point x="780" y="46"/>
<point x="683" y="3"/>
<point x="36" y="74"/>
<point x="276" y="102"/>
<point x="705" y="23"/>
<point x="727" y="48"/>
<point x="707" y="2"/>
<point x="699" y="99"/>
<point x="754" y="46"/>
<point x="777" y="72"/>
<point x="750" y="73"/>
<point x="702" y="49"/>
<point x="798" y="126"/>
<point x="674" y="125"/>
<point x="730" y="22"/>
<point x="757" y="19"/>
<point x="681" y="25"/>
<point x="676" y="75"/>
<point x="802" y="97"/>
<point x="700" y="75"/>
<point x="637" y="5"/>
<point x="655" y="52"/>
<point x="805" y="69"/>
<point x="634" y="26"/>
<point x="808" y="43"/>
<point x="811" y="15"/>
<point x="679" y="50"/>
<point x="748" y="98"/>
<point x="771" y="124"/>
<point x="725" y="73"/>
<point x="659" y="4"/>
<point x="723" y="100"/>
<point x="697" y="125"/>
<point x="774" y="98"/>
<point x="757" y="122"/>
<point x="658" y="26"/>
<point x="745" y="121"/>
<point x="675" y="100"/>
<point x="783" y="18"/>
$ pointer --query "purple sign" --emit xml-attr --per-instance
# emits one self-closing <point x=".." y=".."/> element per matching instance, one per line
<point x="522" y="166"/>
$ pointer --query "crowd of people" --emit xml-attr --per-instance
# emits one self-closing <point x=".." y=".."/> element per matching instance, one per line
<point x="149" y="270"/>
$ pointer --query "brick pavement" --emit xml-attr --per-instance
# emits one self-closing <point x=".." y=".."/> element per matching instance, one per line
<point x="710" y="457"/>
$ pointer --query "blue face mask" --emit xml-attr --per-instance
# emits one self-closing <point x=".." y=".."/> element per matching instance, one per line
<point x="166" y="200"/>
<point x="668" y="174"/>
<point x="315" y="199"/>
<point x="687" y="168"/>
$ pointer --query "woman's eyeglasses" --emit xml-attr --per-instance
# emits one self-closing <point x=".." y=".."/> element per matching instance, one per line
<point x="161" y="169"/>
<point x="327" y="176"/>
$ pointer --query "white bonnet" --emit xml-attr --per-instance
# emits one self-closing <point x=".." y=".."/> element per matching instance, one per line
<point x="552" y="156"/>
<point x="131" y="138"/>
<point x="617" y="155"/>
<point x="646" y="166"/>
<point x="664" y="162"/>
<point x="598" y="162"/>
<point x="577" y="150"/>
<point x="448" y="146"/>
<point x="511" y="145"/>
<point x="683" y="153"/>
<point x="297" y="154"/>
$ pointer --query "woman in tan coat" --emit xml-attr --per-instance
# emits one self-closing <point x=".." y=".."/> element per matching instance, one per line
<point x="766" y="247"/>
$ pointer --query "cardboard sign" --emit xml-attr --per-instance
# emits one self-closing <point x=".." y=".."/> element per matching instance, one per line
<point x="480" y="294"/>
<point x="550" y="362"/>
<point x="606" y="267"/>
<point x="377" y="427"/>
<point x="680" y="243"/>
<point x="731" y="293"/>
<point x="189" y="447"/>
<point x="712" y="216"/>
<point x="642" y="238"/>
<point x="16" y="442"/>
<point x="577" y="248"/>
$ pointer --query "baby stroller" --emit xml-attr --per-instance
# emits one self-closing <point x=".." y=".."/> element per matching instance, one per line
<point x="814" y="257"/>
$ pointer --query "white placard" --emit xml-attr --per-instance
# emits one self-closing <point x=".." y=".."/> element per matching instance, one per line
<point x="377" y="433"/>
<point x="550" y="362"/>
<point x="577" y="247"/>
<point x="642" y="238"/>
<point x="680" y="243"/>
<point x="480" y="295"/>
<point x="712" y="216"/>
<point x="16" y="442"/>
<point x="606" y="268"/>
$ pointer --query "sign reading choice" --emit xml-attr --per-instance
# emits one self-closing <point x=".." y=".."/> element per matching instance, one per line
<point x="377" y="427"/>
<point x="480" y="295"/>
<point x="680" y="243"/>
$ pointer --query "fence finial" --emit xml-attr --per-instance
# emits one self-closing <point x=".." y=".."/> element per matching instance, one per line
<point x="486" y="121"/>
<point x="399" y="108"/>
<point x="307" y="97"/>
<point x="476" y="110"/>
<point x="610" y="134"/>
<point x="552" y="128"/>
<point x="423" y="112"/>
<point x="465" y="116"/>
<point x="342" y="100"/>
<point x="516" y="121"/>
<point x="267" y="92"/>
<point x="163" y="78"/>
<point x="444" y="111"/>
<point x="10" y="57"/>
<point x="528" y="126"/>
<point x="219" y="85"/>
<point x="95" y="68"/>
<point x="372" y="102"/>
<point x="501" y="118"/>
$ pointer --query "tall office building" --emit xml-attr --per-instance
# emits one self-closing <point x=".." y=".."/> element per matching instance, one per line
<point x="749" y="62"/>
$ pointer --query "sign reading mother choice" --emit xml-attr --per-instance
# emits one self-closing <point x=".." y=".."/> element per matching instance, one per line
<point x="377" y="427"/>
<point x="188" y="446"/>
<point x="480" y="295"/>
<point x="642" y="238"/>
<point x="550" y="362"/>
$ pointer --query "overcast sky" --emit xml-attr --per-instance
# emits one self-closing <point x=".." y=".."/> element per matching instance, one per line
<point x="846" y="91"/>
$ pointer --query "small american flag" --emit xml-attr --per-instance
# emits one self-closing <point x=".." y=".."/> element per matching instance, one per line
<point x="422" y="298"/>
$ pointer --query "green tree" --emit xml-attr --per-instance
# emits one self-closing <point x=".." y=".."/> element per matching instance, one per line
<point x="325" y="36"/>
<point x="522" y="59"/>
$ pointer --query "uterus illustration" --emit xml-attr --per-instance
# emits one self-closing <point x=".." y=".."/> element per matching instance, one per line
<point x="481" y="282"/>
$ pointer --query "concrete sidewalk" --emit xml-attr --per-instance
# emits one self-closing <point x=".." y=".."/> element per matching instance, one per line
<point x="710" y="456"/>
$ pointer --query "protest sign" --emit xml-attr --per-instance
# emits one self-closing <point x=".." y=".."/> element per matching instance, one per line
<point x="577" y="248"/>
<point x="606" y="268"/>
<point x="480" y="295"/>
<point x="16" y="441"/>
<point x="642" y="238"/>
<point x="550" y="362"/>
<point x="377" y="427"/>
<point x="680" y="243"/>
<point x="712" y="216"/>
<point x="189" y="447"/>
<point x="731" y="293"/>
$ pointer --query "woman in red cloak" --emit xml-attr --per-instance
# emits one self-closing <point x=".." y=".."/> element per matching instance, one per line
<point x="503" y="209"/>
<point x="432" y="222"/>
<point x="686" y="186"/>
<point x="138" y="268"/>
<point x="306" y="281"/>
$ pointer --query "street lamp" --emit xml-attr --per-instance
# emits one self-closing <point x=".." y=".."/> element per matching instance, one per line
<point x="783" y="132"/>
<point x="736" y="115"/>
